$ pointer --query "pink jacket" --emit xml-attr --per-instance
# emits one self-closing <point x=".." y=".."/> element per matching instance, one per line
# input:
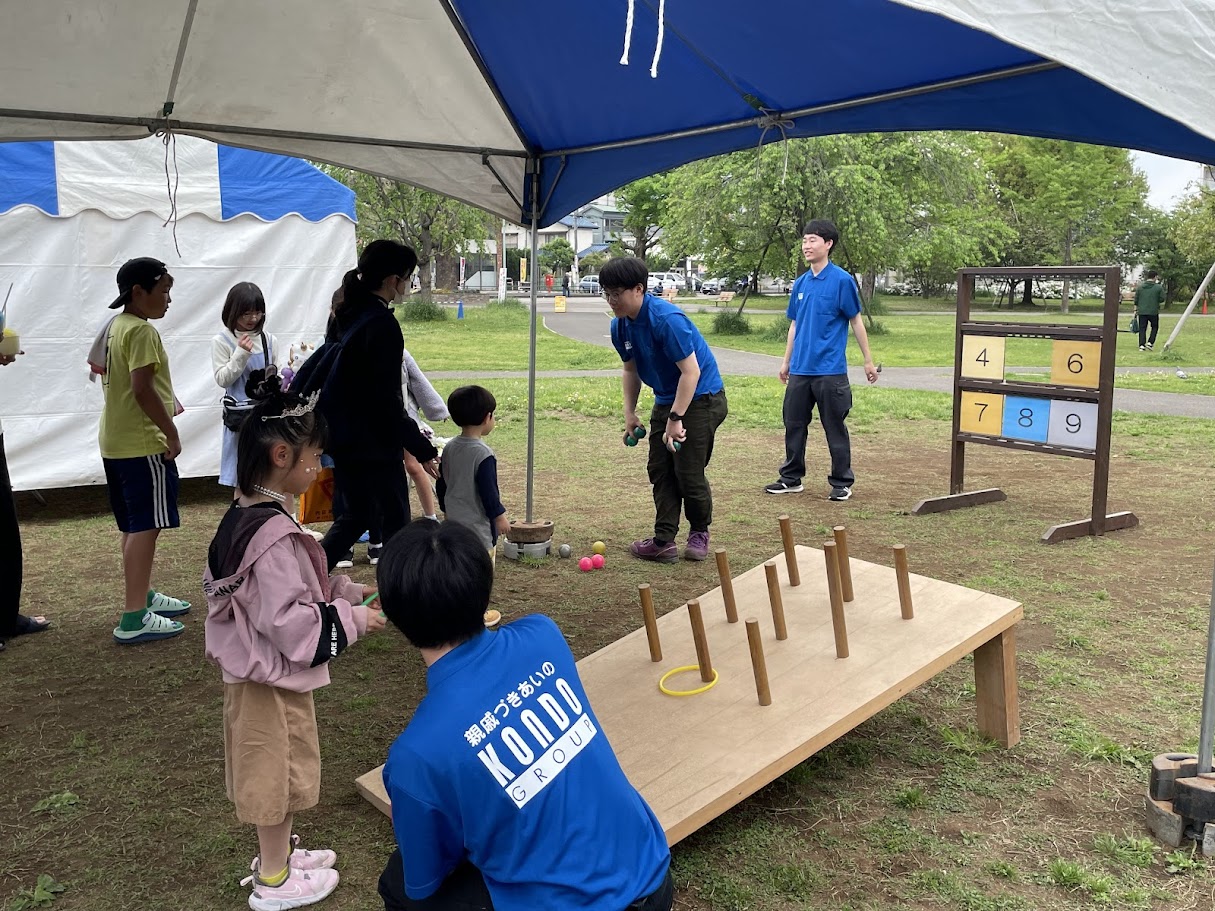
<point x="275" y="619"/>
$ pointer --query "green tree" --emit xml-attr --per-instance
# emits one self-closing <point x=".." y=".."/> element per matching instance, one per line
<point x="744" y="212"/>
<point x="432" y="224"/>
<point x="1069" y="203"/>
<point x="591" y="264"/>
<point x="644" y="202"/>
<point x="1193" y="228"/>
<point x="1150" y="244"/>
<point x="556" y="256"/>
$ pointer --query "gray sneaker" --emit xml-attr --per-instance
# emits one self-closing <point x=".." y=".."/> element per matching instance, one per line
<point x="697" y="547"/>
<point x="840" y="493"/>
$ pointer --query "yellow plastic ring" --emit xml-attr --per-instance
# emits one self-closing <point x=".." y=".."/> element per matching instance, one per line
<point x="687" y="667"/>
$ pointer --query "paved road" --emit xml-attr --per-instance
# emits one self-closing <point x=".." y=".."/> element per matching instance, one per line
<point x="588" y="322"/>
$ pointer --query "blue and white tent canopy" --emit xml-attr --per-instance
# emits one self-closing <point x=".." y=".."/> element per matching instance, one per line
<point x="474" y="98"/>
<point x="72" y="212"/>
<point x="122" y="179"/>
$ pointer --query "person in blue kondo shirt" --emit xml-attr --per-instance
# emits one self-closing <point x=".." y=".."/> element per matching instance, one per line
<point x="662" y="348"/>
<point x="505" y="791"/>
<point x="823" y="304"/>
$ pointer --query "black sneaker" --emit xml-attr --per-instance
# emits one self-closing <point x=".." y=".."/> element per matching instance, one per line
<point x="783" y="486"/>
<point x="373" y="553"/>
<point x="840" y="493"/>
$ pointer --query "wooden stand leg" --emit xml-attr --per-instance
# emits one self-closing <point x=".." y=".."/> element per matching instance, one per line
<point x="778" y="606"/>
<point x="900" y="572"/>
<point x="651" y="621"/>
<point x="758" y="665"/>
<point x="838" y="625"/>
<point x="841" y="552"/>
<point x="996" y="688"/>
<point x="702" y="642"/>
<point x="727" y="584"/>
<point x="786" y="537"/>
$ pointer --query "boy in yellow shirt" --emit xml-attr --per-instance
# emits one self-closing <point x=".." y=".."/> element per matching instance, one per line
<point x="139" y="443"/>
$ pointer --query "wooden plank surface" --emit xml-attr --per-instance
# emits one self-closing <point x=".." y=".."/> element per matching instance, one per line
<point x="693" y="758"/>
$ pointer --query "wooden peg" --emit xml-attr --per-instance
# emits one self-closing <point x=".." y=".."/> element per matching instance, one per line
<point x="837" y="602"/>
<point x="727" y="584"/>
<point x="651" y="621"/>
<point x="841" y="552"/>
<point x="758" y="665"/>
<point x="900" y="572"/>
<point x="702" y="642"/>
<point x="778" y="606"/>
<point x="786" y="537"/>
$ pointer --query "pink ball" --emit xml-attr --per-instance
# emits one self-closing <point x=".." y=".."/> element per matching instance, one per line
<point x="586" y="565"/>
<point x="597" y="561"/>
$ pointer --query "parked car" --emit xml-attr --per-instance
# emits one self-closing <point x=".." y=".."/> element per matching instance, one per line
<point x="589" y="284"/>
<point x="665" y="281"/>
<point x="693" y="283"/>
<point x="712" y="285"/>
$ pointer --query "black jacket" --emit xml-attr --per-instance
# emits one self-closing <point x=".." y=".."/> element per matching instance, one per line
<point x="366" y="385"/>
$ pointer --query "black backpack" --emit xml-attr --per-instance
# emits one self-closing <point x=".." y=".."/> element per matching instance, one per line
<point x="316" y="372"/>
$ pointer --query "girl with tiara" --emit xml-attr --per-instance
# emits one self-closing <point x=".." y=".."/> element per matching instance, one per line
<point x="275" y="619"/>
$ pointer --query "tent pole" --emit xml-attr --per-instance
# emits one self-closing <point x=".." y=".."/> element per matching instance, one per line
<point x="1208" y="697"/>
<point x="1190" y="309"/>
<point x="531" y="353"/>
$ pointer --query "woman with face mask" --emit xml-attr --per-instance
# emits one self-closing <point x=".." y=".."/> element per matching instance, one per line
<point x="369" y="428"/>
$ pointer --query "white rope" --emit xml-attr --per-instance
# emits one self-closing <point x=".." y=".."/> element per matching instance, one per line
<point x="628" y="35"/>
<point x="169" y="138"/>
<point x="662" y="7"/>
<point x="772" y="122"/>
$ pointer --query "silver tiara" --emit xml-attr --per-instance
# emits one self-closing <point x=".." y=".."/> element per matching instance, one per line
<point x="298" y="411"/>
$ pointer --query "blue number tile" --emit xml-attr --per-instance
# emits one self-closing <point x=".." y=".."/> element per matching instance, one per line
<point x="1026" y="418"/>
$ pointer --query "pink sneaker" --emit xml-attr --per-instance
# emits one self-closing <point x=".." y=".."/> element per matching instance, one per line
<point x="301" y="888"/>
<point x="305" y="860"/>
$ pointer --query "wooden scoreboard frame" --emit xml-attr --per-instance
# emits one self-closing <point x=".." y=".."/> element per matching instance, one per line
<point x="1099" y="392"/>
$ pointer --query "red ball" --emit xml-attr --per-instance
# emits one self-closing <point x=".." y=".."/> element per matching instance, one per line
<point x="597" y="561"/>
<point x="586" y="565"/>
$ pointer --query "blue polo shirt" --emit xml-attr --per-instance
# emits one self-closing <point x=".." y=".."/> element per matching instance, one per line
<point x="656" y="339"/>
<point x="505" y="764"/>
<point x="822" y="305"/>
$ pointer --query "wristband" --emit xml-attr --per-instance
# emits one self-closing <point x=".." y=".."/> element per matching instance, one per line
<point x="675" y="417"/>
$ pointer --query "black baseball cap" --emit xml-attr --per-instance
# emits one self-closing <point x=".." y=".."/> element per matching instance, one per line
<point x="144" y="271"/>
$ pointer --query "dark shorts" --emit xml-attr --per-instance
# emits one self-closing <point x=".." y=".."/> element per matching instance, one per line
<point x="143" y="492"/>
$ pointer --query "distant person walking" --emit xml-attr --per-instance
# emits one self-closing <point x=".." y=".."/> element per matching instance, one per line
<point x="1148" y="298"/>
<point x="822" y="305"/>
<point x="565" y="284"/>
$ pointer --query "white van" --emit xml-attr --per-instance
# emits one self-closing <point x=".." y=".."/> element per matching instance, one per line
<point x="665" y="281"/>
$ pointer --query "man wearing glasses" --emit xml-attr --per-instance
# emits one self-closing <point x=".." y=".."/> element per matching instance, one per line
<point x="662" y="348"/>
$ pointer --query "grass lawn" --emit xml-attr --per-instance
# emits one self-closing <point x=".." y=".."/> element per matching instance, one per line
<point x="113" y="757"/>
<point x="453" y="344"/>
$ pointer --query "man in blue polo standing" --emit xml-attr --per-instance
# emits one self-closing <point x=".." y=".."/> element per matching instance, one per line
<point x="823" y="304"/>
<point x="661" y="347"/>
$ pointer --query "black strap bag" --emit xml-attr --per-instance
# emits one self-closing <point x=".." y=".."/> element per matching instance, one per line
<point x="236" y="412"/>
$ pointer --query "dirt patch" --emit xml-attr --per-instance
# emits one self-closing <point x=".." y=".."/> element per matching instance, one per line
<point x="910" y="810"/>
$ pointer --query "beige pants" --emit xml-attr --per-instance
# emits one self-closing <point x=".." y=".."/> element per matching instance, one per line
<point x="272" y="754"/>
